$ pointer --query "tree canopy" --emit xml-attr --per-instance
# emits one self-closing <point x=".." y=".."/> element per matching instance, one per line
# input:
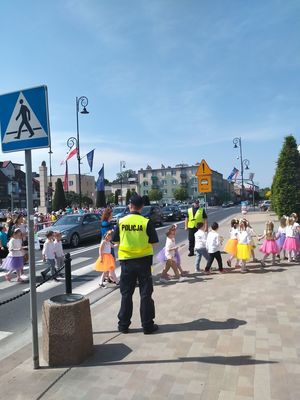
<point x="59" y="200"/>
<point x="285" y="192"/>
<point x="155" y="195"/>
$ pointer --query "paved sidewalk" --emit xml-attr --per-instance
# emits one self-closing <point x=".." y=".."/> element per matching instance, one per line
<point x="222" y="337"/>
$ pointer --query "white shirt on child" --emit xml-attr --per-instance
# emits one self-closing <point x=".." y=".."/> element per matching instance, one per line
<point x="200" y="239"/>
<point x="15" y="248"/>
<point x="213" y="242"/>
<point x="49" y="250"/>
<point x="233" y="233"/>
<point x="106" y="249"/>
<point x="168" y="252"/>
<point x="281" y="230"/>
<point x="58" y="248"/>
<point x="243" y="237"/>
<point x="290" y="231"/>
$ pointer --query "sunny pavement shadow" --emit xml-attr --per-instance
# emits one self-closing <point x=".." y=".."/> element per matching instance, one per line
<point x="201" y="324"/>
<point x="113" y="354"/>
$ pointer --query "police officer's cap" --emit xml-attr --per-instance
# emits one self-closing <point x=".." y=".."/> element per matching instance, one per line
<point x="196" y="202"/>
<point x="136" y="200"/>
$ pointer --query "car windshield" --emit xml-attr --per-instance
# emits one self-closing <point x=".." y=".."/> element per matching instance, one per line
<point x="69" y="220"/>
<point x="146" y="210"/>
<point x="118" y="210"/>
<point x="168" y="209"/>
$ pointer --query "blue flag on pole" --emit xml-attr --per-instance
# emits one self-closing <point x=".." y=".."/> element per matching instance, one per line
<point x="233" y="175"/>
<point x="90" y="159"/>
<point x="100" y="180"/>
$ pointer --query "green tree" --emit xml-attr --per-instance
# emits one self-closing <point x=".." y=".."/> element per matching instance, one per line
<point x="125" y="174"/>
<point x="87" y="201"/>
<point x="146" y="200"/>
<point x="285" y="191"/>
<point x="155" y="195"/>
<point x="72" y="198"/>
<point x="180" y="194"/>
<point x="59" y="200"/>
<point x="100" y="200"/>
<point x="117" y="193"/>
<point x="128" y="195"/>
<point x="110" y="198"/>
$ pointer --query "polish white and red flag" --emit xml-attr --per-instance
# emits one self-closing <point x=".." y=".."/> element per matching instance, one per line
<point x="72" y="152"/>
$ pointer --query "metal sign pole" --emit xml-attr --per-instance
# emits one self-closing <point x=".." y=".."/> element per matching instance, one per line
<point x="33" y="302"/>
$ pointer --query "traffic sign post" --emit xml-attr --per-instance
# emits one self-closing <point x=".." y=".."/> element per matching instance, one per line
<point x="24" y="120"/>
<point x="24" y="125"/>
<point x="204" y="177"/>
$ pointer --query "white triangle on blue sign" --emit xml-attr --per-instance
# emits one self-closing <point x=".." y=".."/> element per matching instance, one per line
<point x="23" y="123"/>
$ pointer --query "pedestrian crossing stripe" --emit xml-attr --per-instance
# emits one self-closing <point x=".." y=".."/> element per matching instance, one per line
<point x="15" y="123"/>
<point x="24" y="120"/>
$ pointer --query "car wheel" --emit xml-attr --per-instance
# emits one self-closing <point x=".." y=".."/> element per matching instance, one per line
<point x="74" y="241"/>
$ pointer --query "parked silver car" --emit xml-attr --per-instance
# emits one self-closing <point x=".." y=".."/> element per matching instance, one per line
<point x="74" y="228"/>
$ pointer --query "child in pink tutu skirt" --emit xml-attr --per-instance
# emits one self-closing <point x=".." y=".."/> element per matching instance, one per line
<point x="15" y="259"/>
<point x="269" y="245"/>
<point x="291" y="243"/>
<point x="281" y="235"/>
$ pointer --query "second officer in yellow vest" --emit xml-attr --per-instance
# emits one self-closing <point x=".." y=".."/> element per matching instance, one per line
<point x="194" y="216"/>
<point x="135" y="235"/>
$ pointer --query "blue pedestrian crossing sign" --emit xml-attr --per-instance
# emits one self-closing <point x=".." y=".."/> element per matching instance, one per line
<point x="24" y="120"/>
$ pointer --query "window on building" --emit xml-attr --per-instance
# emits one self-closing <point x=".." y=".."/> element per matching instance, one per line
<point x="145" y="183"/>
<point x="144" y="174"/>
<point x="71" y="183"/>
<point x="173" y="172"/>
<point x="163" y="182"/>
<point x="145" y="191"/>
<point x="163" y="173"/>
<point x="174" y="182"/>
<point x="165" y="191"/>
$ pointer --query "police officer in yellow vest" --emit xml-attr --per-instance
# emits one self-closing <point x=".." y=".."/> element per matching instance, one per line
<point x="194" y="216"/>
<point x="135" y="235"/>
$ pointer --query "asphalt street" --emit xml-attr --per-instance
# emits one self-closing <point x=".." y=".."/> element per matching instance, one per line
<point x="15" y="326"/>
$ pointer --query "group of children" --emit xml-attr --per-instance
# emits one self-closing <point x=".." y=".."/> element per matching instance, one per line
<point x="240" y="246"/>
<point x="53" y="254"/>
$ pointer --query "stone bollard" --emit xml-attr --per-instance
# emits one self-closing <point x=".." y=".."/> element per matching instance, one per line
<point x="67" y="330"/>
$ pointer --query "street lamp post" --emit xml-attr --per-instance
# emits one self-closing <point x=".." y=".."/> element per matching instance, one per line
<point x="50" y="152"/>
<point x="244" y="162"/>
<point x="83" y="102"/>
<point x="122" y="165"/>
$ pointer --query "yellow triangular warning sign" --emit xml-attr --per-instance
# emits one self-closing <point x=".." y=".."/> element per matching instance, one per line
<point x="203" y="169"/>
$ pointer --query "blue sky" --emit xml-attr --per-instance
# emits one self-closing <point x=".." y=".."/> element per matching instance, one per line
<point x="168" y="81"/>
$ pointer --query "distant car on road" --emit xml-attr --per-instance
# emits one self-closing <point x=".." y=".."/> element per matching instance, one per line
<point x="265" y="205"/>
<point x="171" y="213"/>
<point x="74" y="228"/>
<point x="153" y="212"/>
<point x="225" y="205"/>
<point x="184" y="210"/>
<point x="118" y="212"/>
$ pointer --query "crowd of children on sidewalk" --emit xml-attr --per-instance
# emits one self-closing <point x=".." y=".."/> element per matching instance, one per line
<point x="283" y="244"/>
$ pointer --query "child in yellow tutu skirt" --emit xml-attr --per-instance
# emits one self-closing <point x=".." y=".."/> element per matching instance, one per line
<point x="106" y="262"/>
<point x="243" y="247"/>
<point x="231" y="244"/>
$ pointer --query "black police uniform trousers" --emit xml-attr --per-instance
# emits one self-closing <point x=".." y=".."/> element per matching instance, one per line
<point x="192" y="232"/>
<point x="133" y="270"/>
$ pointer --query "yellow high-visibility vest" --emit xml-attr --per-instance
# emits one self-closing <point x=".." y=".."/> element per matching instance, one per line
<point x="193" y="220"/>
<point x="134" y="241"/>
